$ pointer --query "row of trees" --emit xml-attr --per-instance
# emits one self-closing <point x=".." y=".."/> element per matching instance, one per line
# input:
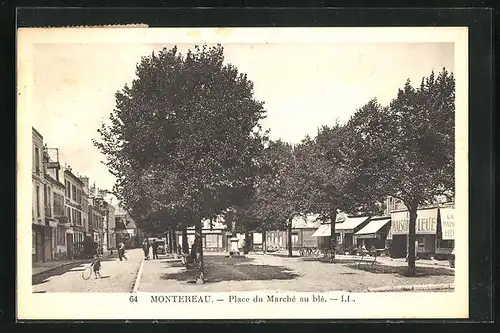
<point x="185" y="144"/>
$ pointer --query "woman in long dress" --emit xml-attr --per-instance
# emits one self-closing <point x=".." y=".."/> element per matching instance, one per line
<point x="145" y="248"/>
<point x="150" y="250"/>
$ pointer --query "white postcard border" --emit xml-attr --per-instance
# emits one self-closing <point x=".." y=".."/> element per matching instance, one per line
<point x="117" y="306"/>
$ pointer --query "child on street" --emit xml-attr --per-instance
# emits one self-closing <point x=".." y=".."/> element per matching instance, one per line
<point x="96" y="265"/>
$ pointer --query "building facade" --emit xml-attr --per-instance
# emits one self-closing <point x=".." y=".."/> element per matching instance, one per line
<point x="111" y="226"/>
<point x="434" y="230"/>
<point x="54" y="211"/>
<point x="95" y="222"/>
<point x="85" y="204"/>
<point x="41" y="233"/>
<point x="214" y="235"/>
<point x="74" y="213"/>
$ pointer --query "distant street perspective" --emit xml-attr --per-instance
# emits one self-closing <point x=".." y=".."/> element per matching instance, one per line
<point x="116" y="276"/>
<point x="311" y="169"/>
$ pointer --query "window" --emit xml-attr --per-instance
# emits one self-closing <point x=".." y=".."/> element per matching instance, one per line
<point x="68" y="188"/>
<point x="45" y="195"/>
<point x="49" y="199"/>
<point x="73" y="190"/>
<point x="445" y="244"/>
<point x="61" y="236"/>
<point x="38" y="201"/>
<point x="420" y="240"/>
<point x="33" y="242"/>
<point x="58" y="204"/>
<point x="37" y="160"/>
<point x="68" y="214"/>
<point x="211" y="240"/>
<point x="76" y="216"/>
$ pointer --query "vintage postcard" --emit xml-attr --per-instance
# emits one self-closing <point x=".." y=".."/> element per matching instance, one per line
<point x="242" y="173"/>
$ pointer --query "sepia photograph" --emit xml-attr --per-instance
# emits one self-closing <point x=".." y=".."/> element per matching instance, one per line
<point x="244" y="168"/>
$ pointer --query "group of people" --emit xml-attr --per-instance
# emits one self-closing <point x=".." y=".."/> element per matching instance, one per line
<point x="150" y="249"/>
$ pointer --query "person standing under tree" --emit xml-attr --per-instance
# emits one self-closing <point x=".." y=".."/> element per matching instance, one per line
<point x="145" y="248"/>
<point x="155" y="249"/>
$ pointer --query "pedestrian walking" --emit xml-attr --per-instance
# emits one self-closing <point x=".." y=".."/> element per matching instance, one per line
<point x="155" y="250"/>
<point x="145" y="247"/>
<point x="121" y="251"/>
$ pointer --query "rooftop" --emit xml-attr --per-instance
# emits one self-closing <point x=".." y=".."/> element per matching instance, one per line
<point x="36" y="133"/>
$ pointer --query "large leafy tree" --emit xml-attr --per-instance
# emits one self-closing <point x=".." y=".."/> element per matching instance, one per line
<point x="273" y="199"/>
<point x="185" y="137"/>
<point x="406" y="150"/>
<point x="329" y="181"/>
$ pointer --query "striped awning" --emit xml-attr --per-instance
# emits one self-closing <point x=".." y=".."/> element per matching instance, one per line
<point x="322" y="231"/>
<point x="371" y="229"/>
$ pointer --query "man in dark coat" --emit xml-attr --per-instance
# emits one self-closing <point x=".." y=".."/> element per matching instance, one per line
<point x="155" y="250"/>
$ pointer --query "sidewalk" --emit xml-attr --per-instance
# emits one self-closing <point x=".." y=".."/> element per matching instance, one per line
<point x="47" y="266"/>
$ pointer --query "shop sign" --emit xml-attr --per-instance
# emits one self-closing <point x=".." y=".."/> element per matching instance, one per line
<point x="448" y="223"/>
<point x="425" y="225"/>
<point x="69" y="203"/>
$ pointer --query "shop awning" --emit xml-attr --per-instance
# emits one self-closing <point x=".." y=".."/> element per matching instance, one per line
<point x="322" y="231"/>
<point x="370" y="230"/>
<point x="350" y="223"/>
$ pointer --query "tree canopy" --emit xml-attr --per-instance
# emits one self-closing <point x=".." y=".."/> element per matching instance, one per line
<point x="185" y="137"/>
<point x="406" y="150"/>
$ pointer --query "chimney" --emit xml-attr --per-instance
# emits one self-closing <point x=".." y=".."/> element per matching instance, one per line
<point x="85" y="181"/>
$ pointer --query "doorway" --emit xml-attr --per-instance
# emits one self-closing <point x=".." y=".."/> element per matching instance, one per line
<point x="69" y="243"/>
<point x="40" y="246"/>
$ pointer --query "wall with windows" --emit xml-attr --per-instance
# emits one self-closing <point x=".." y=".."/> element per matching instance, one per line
<point x="38" y="207"/>
<point x="38" y="180"/>
<point x="58" y="204"/>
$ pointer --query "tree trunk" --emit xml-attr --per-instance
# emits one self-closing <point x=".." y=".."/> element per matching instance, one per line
<point x="170" y="240"/>
<point x="333" y="238"/>
<point x="247" y="242"/>
<point x="174" y="239"/>
<point x="264" y="241"/>
<point x="185" y="245"/>
<point x="411" y="239"/>
<point x="199" y="247"/>
<point x="289" y="234"/>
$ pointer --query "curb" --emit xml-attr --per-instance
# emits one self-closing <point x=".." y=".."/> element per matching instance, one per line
<point x="138" y="277"/>
<point x="422" y="287"/>
<point x="63" y="265"/>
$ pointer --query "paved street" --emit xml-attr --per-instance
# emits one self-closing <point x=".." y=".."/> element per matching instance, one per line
<point x="118" y="276"/>
<point x="280" y="273"/>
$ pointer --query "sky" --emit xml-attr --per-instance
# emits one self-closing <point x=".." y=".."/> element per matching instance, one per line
<point x="302" y="86"/>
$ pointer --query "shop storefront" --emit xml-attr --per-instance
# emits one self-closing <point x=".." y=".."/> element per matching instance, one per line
<point x="213" y="240"/>
<point x="434" y="230"/>
<point x="374" y="234"/>
<point x="345" y="228"/>
<point x="348" y="228"/>
<point x="445" y="233"/>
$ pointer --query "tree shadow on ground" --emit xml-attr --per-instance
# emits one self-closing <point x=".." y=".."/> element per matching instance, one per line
<point x="327" y="260"/>
<point x="283" y="255"/>
<point x="227" y="260"/>
<point x="74" y="267"/>
<point x="402" y="270"/>
<point x="218" y="269"/>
